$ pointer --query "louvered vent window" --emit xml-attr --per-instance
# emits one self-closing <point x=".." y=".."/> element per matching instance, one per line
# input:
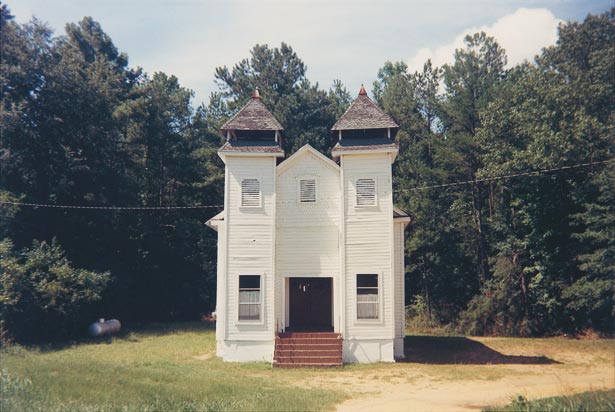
<point x="307" y="190"/>
<point x="250" y="193"/>
<point x="366" y="192"/>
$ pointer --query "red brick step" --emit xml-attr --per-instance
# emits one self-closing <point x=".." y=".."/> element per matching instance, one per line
<point x="308" y="349"/>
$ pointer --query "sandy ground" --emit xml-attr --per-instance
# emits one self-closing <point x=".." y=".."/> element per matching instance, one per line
<point x="472" y="395"/>
<point x="425" y="386"/>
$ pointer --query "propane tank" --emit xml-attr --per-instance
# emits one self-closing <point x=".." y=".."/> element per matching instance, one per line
<point x="103" y="327"/>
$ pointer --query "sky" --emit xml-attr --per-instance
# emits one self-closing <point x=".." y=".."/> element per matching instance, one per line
<point x="337" y="39"/>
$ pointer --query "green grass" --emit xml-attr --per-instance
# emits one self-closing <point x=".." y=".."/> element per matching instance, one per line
<point x="587" y="401"/>
<point x="150" y="369"/>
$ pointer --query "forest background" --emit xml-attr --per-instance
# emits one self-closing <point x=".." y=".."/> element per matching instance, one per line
<point x="508" y="175"/>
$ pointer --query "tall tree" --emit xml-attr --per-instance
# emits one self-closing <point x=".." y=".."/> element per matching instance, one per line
<point x="305" y="111"/>
<point x="471" y="82"/>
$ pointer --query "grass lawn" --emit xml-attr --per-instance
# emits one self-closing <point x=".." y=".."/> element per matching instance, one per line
<point x="164" y="368"/>
<point x="172" y="367"/>
<point x="580" y="402"/>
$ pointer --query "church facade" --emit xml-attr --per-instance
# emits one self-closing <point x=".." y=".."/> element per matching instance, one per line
<point x="310" y="248"/>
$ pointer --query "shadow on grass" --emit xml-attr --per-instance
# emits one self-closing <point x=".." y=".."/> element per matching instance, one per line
<point x="443" y="350"/>
<point x="130" y="332"/>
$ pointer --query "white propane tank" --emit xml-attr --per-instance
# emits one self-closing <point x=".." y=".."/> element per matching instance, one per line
<point x="103" y="327"/>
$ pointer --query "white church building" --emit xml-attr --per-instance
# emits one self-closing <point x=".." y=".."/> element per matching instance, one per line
<point x="310" y="248"/>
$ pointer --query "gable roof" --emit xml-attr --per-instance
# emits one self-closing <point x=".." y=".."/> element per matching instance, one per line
<point x="253" y="116"/>
<point x="363" y="113"/>
<point x="299" y="153"/>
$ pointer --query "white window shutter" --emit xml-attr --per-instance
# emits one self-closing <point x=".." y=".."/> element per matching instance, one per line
<point x="250" y="192"/>
<point x="366" y="192"/>
<point x="307" y="190"/>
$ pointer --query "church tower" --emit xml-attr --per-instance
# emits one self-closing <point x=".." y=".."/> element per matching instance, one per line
<point x="247" y="246"/>
<point x="365" y="150"/>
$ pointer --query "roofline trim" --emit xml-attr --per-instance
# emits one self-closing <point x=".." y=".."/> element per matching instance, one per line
<point x="229" y="153"/>
<point x="338" y="152"/>
<point x="306" y="148"/>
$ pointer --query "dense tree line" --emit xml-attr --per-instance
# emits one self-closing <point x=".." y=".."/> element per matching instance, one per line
<point x="528" y="255"/>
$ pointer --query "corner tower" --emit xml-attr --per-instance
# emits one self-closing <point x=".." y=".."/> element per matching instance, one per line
<point x="246" y="265"/>
<point x="365" y="149"/>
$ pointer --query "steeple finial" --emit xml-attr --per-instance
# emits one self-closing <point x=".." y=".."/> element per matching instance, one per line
<point x="362" y="92"/>
<point x="256" y="94"/>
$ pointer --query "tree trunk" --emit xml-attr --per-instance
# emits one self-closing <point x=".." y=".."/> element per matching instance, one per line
<point x="428" y="301"/>
<point x="483" y="263"/>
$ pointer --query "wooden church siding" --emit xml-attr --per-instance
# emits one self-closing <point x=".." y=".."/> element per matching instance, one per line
<point x="400" y="319"/>
<point x="369" y="243"/>
<point x="302" y="218"/>
<point x="250" y="238"/>
<point x="307" y="234"/>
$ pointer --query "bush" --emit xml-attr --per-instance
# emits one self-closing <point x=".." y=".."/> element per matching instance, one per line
<point x="41" y="295"/>
<point x="501" y="308"/>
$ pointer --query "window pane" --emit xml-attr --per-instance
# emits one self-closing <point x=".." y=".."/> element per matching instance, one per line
<point x="249" y="312"/>
<point x="367" y="281"/>
<point x="249" y="282"/>
<point x="249" y="296"/>
<point x="367" y="311"/>
<point x="367" y="296"/>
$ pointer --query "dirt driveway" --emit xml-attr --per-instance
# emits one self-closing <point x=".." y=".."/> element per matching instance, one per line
<point x="468" y="374"/>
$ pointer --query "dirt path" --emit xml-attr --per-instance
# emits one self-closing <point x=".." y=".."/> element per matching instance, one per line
<point x="427" y="394"/>
<point x="468" y="374"/>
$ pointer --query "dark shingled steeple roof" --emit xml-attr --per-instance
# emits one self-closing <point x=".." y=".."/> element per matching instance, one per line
<point x="363" y="113"/>
<point x="253" y="116"/>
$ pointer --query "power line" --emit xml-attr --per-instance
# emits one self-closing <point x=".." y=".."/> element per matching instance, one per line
<point x="119" y="208"/>
<point x="489" y="179"/>
<point x="194" y="207"/>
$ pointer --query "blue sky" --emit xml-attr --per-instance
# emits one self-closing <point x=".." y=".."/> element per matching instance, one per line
<point x="337" y="39"/>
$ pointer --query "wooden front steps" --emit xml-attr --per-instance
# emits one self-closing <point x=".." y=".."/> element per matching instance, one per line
<point x="307" y="349"/>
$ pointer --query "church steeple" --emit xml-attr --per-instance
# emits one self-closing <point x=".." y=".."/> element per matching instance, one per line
<point x="364" y="114"/>
<point x="253" y="129"/>
<point x="364" y="126"/>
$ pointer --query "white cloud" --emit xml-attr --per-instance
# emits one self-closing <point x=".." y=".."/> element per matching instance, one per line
<point x="522" y="34"/>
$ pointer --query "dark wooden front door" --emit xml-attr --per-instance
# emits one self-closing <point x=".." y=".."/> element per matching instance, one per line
<point x="310" y="304"/>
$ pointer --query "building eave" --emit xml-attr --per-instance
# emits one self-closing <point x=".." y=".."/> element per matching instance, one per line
<point x="307" y="148"/>
<point x="215" y="221"/>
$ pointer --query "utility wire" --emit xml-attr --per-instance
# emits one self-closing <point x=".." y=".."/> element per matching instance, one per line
<point x="163" y="208"/>
<point x="111" y="207"/>
<point x="489" y="179"/>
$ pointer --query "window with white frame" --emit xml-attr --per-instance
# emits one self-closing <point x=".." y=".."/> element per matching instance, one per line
<point x="366" y="192"/>
<point x="249" y="297"/>
<point x="307" y="190"/>
<point x="250" y="193"/>
<point x="368" y="303"/>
